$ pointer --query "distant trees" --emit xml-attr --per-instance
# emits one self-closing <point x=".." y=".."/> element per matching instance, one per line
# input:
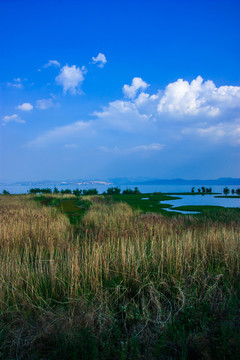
<point x="116" y="190"/>
<point x="66" y="191"/>
<point x="130" y="191"/>
<point x="90" y="192"/>
<point x="113" y="190"/>
<point x="226" y="191"/>
<point x="77" y="192"/>
<point x="5" y="192"/>
<point x="203" y="190"/>
<point x="40" y="191"/>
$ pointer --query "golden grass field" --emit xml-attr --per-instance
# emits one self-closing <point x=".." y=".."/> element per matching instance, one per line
<point x="118" y="265"/>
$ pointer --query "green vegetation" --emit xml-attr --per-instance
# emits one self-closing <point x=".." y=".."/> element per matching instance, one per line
<point x="204" y="190"/>
<point x="113" y="190"/>
<point x="145" y="202"/>
<point x="5" y="192"/>
<point x="102" y="277"/>
<point x="226" y="191"/>
<point x="76" y="192"/>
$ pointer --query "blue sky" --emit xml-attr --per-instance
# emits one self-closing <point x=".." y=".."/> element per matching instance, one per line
<point x="104" y="89"/>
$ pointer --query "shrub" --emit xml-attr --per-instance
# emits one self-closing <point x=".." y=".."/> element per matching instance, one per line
<point x="5" y="192"/>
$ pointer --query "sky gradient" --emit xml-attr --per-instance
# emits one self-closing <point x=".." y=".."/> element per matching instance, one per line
<point x="103" y="89"/>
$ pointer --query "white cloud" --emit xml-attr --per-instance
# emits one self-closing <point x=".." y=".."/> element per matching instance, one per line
<point x="70" y="78"/>
<point x="12" y="118"/>
<point x="122" y="115"/>
<point x="221" y="132"/>
<point x="54" y="63"/>
<point x="105" y="149"/>
<point x="130" y="91"/>
<point x="44" y="104"/>
<point x="71" y="146"/>
<point x="100" y="60"/>
<point x="60" y="133"/>
<point x="151" y="147"/>
<point x="182" y="98"/>
<point x="180" y="106"/>
<point x="17" y="83"/>
<point x="134" y="149"/>
<point x="25" y="107"/>
<point x="204" y="111"/>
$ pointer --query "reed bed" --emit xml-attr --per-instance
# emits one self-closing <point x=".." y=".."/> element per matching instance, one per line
<point x="120" y="265"/>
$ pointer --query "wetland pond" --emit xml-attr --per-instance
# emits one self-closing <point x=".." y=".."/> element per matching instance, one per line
<point x="201" y="200"/>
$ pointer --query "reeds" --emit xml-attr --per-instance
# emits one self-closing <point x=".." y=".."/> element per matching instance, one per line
<point x="115" y="247"/>
<point x="145" y="266"/>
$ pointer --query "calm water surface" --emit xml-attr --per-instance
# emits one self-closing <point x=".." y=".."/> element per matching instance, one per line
<point x="203" y="200"/>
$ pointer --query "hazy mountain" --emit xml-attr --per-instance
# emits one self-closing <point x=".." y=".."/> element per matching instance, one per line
<point x="127" y="181"/>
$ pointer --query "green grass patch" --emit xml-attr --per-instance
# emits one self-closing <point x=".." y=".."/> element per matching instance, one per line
<point x="152" y="204"/>
<point x="73" y="207"/>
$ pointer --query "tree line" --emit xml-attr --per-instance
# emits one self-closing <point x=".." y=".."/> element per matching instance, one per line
<point x="78" y="192"/>
<point x="226" y="190"/>
<point x="114" y="191"/>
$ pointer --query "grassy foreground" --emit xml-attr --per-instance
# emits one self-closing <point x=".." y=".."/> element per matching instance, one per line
<point x="116" y="283"/>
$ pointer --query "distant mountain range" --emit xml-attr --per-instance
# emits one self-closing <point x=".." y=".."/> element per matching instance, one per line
<point x="126" y="181"/>
<point x="220" y="181"/>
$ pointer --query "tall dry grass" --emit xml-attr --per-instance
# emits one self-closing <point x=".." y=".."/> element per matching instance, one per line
<point x="148" y="264"/>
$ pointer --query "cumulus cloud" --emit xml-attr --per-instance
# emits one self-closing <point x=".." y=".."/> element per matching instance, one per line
<point x="183" y="110"/>
<point x="198" y="97"/>
<point x="130" y="91"/>
<point x="100" y="60"/>
<point x="60" y="133"/>
<point x="54" y="63"/>
<point x="122" y="115"/>
<point x="70" y="78"/>
<point x="180" y="100"/>
<point x="25" y="107"/>
<point x="44" y="104"/>
<point x="198" y="106"/>
<point x="12" y="118"/>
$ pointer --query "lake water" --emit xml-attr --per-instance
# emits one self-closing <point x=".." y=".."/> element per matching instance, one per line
<point x="19" y="189"/>
<point x="182" y="212"/>
<point x="209" y="200"/>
